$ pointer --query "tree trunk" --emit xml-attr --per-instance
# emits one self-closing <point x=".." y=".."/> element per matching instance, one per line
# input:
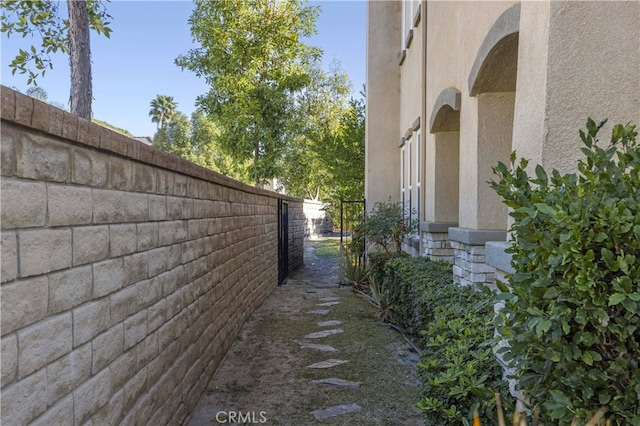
<point x="79" y="59"/>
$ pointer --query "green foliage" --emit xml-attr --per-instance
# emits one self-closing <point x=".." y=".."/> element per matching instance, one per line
<point x="37" y="92"/>
<point x="458" y="369"/>
<point x="387" y="226"/>
<point x="174" y="136"/>
<point x="252" y="56"/>
<point x="41" y="18"/>
<point x="407" y="279"/>
<point x="354" y="272"/>
<point x="326" y="159"/>
<point x="572" y="312"/>
<point x="163" y="108"/>
<point x="196" y="141"/>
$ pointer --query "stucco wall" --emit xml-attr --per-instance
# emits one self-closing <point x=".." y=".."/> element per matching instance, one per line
<point x="455" y="31"/>
<point x="383" y="101"/>
<point x="126" y="272"/>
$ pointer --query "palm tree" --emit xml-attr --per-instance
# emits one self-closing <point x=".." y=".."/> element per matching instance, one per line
<point x="162" y="109"/>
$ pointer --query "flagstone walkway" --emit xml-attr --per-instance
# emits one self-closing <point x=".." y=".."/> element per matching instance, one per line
<point x="314" y="353"/>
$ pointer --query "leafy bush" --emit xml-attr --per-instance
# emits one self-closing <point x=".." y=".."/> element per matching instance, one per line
<point x="386" y="226"/>
<point x="458" y="369"/>
<point x="413" y="283"/>
<point x="572" y="312"/>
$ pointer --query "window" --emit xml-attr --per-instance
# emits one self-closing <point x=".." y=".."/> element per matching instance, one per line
<point x="409" y="10"/>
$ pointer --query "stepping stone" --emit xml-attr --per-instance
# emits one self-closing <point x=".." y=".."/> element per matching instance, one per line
<point x="329" y="299"/>
<point x="311" y="291"/>
<point x="323" y="348"/>
<point x="327" y="364"/>
<point x="337" y="410"/>
<point x="328" y="304"/>
<point x="331" y="323"/>
<point x="320" y="312"/>
<point x="336" y="382"/>
<point x="324" y="333"/>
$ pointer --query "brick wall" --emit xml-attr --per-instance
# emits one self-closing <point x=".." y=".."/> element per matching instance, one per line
<point x="126" y="272"/>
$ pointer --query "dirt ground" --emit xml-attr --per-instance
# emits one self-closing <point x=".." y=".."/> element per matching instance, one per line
<point x="264" y="379"/>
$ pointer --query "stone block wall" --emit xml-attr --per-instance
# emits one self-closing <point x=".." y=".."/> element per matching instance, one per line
<point x="317" y="221"/>
<point x="469" y="266"/>
<point x="437" y="246"/>
<point x="126" y="272"/>
<point x="436" y="242"/>
<point x="297" y="222"/>
<point x="470" y="263"/>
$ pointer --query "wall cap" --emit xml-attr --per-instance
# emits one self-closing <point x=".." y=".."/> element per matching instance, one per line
<point x="409" y="39"/>
<point x="495" y="256"/>
<point x="73" y="128"/>
<point x="416" y="124"/>
<point x="437" y="227"/>
<point x="402" y="56"/>
<point x="476" y="237"/>
<point x="416" y="17"/>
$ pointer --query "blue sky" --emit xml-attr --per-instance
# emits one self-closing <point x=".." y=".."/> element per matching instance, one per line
<point x="137" y="62"/>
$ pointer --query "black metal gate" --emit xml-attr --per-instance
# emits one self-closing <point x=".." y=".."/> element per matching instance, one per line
<point x="283" y="240"/>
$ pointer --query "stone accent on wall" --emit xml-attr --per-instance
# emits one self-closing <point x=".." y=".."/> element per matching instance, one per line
<point x="435" y="241"/>
<point x="437" y="246"/>
<point x="126" y="272"/>
<point x="470" y="267"/>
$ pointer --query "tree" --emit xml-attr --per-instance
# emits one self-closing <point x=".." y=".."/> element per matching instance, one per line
<point x="37" y="92"/>
<point x="175" y="136"/>
<point x="71" y="36"/>
<point x="321" y="107"/>
<point x="163" y="108"/>
<point x="206" y="150"/>
<point x="79" y="59"/>
<point x="327" y="162"/>
<point x="252" y="56"/>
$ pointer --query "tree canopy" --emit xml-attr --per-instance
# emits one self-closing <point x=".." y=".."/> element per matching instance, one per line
<point x="42" y="18"/>
<point x="163" y="109"/>
<point x="252" y="56"/>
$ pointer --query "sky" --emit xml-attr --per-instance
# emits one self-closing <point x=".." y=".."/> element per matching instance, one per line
<point x="137" y="63"/>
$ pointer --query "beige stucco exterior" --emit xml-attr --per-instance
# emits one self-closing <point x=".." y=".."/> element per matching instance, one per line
<point x="382" y="101"/>
<point x="484" y="78"/>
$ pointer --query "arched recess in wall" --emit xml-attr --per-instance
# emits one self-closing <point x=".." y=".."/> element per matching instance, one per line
<point x="444" y="124"/>
<point x="493" y="82"/>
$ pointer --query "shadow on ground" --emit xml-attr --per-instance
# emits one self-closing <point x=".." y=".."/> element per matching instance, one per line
<point x="266" y="379"/>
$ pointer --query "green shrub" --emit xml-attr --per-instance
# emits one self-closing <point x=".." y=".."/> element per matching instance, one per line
<point x="458" y="369"/>
<point x="572" y="311"/>
<point x="413" y="284"/>
<point x="386" y="226"/>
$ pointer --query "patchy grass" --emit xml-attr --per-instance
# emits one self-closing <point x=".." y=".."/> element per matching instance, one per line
<point x="268" y="371"/>
<point x="327" y="247"/>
